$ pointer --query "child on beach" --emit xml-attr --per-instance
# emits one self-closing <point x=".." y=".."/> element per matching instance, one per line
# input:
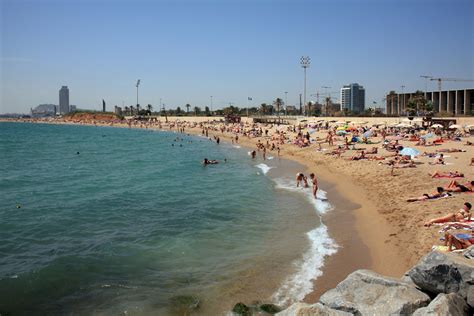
<point x="301" y="178"/>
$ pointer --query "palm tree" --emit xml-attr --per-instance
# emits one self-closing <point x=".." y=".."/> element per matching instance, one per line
<point x="263" y="108"/>
<point x="278" y="103"/>
<point x="127" y="110"/>
<point x="197" y="110"/>
<point x="187" y="107"/>
<point x="132" y="109"/>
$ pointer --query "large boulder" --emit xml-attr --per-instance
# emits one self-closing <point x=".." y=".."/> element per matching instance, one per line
<point x="439" y="272"/>
<point x="365" y="292"/>
<point x="445" y="304"/>
<point x="303" y="309"/>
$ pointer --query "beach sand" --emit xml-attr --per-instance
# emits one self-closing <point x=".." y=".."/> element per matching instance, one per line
<point x="372" y="222"/>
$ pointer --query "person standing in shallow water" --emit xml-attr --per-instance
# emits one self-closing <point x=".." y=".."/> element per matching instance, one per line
<point x="314" y="181"/>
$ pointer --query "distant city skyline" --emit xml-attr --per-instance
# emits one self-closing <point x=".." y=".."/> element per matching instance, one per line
<point x="186" y="51"/>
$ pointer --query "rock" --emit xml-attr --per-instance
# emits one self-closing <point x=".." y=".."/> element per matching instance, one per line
<point x="445" y="304"/>
<point x="406" y="278"/>
<point x="469" y="252"/>
<point x="241" y="309"/>
<point x="365" y="292"/>
<point x="270" y="308"/>
<point x="439" y="272"/>
<point x="184" y="304"/>
<point x="303" y="309"/>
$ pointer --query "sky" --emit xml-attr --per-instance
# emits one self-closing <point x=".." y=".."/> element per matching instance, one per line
<point x="187" y="51"/>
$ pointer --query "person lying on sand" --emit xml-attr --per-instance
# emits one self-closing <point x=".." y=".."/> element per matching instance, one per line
<point x="464" y="214"/>
<point x="458" y="240"/>
<point x="468" y="143"/>
<point x="426" y="196"/>
<point x="450" y="150"/>
<point x="301" y="178"/>
<point x="455" y="186"/>
<point x="448" y="174"/>
<point x="438" y="161"/>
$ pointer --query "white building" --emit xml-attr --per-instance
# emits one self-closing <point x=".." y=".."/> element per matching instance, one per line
<point x="353" y="98"/>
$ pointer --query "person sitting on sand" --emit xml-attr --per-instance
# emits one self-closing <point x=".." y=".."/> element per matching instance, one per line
<point x="438" y="161"/>
<point x="448" y="174"/>
<point x="455" y="186"/>
<point x="359" y="157"/>
<point x="468" y="143"/>
<point x="301" y="178"/>
<point x="464" y="214"/>
<point x="458" y="240"/>
<point x="426" y="196"/>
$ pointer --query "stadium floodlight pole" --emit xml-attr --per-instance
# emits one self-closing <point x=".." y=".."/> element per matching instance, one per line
<point x="138" y="83"/>
<point x="286" y="102"/>
<point x="305" y="62"/>
<point x="403" y="99"/>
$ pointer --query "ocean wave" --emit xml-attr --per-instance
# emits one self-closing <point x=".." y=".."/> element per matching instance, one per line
<point x="236" y="146"/>
<point x="320" y="203"/>
<point x="309" y="268"/>
<point x="265" y="168"/>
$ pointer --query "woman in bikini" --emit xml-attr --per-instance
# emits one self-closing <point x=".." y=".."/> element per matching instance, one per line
<point x="464" y="214"/>
<point x="455" y="186"/>
<point x="448" y="174"/>
<point x="426" y="196"/>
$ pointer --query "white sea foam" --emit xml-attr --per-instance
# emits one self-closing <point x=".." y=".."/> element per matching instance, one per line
<point x="265" y="168"/>
<point x="299" y="284"/>
<point x="270" y="158"/>
<point x="236" y="146"/>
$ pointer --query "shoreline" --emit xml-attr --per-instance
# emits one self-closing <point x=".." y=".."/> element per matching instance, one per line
<point x="354" y="235"/>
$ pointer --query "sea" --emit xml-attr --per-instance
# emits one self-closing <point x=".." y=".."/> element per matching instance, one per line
<point x="118" y="221"/>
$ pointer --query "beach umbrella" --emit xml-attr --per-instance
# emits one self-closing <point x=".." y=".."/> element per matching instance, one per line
<point x="470" y="126"/>
<point x="340" y="122"/>
<point x="407" y="151"/>
<point x="368" y="133"/>
<point x="429" y="135"/>
<point x="403" y="125"/>
<point x="437" y="126"/>
<point x="341" y="132"/>
<point x="455" y="126"/>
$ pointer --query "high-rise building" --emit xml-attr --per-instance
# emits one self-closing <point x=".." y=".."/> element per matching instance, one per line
<point x="353" y="98"/>
<point x="64" y="100"/>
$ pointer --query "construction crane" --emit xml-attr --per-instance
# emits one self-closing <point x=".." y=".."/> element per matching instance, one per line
<point x="449" y="79"/>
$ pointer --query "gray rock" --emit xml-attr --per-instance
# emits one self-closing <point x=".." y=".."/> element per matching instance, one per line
<point x="303" y="309"/>
<point x="365" y="292"/>
<point x="469" y="252"/>
<point x="444" y="273"/>
<point x="445" y="304"/>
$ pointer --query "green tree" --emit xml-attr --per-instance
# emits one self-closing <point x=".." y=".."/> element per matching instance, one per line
<point x="197" y="110"/>
<point x="263" y="108"/>
<point x="187" y="107"/>
<point x="178" y="110"/>
<point x="207" y="111"/>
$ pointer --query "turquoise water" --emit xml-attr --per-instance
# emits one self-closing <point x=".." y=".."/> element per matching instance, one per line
<point x="108" y="220"/>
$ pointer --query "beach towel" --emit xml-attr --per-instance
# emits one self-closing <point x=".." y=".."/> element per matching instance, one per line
<point x="444" y="249"/>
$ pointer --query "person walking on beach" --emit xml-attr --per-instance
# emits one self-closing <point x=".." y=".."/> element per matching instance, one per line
<point x="314" y="181"/>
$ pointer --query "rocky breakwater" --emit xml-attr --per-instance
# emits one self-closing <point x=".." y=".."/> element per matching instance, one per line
<point x="440" y="284"/>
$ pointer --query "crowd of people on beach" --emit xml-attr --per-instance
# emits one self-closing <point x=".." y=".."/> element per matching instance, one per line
<point x="386" y="146"/>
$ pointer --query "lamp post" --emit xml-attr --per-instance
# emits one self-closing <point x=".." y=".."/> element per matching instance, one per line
<point x="211" y="104"/>
<point x="305" y="61"/>
<point x="286" y="102"/>
<point x="138" y="83"/>
<point x="402" y="108"/>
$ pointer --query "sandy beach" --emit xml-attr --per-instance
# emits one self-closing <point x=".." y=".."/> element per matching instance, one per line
<point x="372" y="222"/>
